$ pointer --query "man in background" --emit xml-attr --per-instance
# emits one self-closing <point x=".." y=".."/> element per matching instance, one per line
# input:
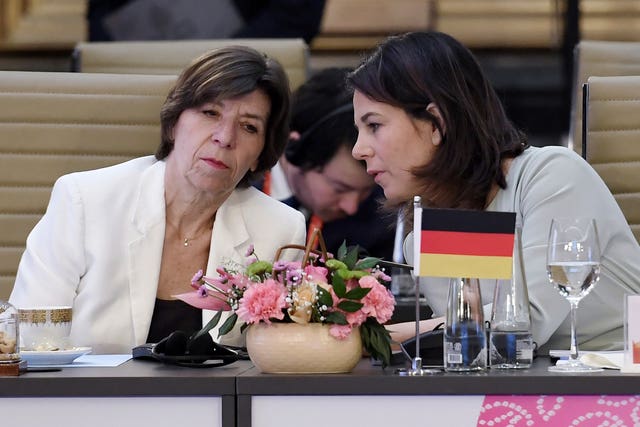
<point x="319" y="176"/>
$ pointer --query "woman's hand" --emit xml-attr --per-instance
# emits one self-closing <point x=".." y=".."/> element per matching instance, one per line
<point x="403" y="331"/>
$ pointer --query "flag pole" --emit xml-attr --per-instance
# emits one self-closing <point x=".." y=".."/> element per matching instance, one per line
<point x="416" y="363"/>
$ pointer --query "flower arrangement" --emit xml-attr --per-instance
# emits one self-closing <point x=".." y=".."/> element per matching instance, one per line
<point x="343" y="292"/>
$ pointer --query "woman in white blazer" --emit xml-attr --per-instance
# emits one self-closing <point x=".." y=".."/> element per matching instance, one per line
<point x="117" y="243"/>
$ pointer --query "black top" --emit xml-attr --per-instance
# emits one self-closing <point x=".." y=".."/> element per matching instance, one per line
<point x="173" y="315"/>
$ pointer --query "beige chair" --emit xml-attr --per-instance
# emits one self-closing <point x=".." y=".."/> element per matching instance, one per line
<point x="170" y="57"/>
<point x="352" y="26"/>
<point x="516" y="24"/>
<point x="612" y="118"/>
<point x="599" y="58"/>
<point x="10" y="15"/>
<point x="55" y="123"/>
<point x="610" y="19"/>
<point x="44" y="26"/>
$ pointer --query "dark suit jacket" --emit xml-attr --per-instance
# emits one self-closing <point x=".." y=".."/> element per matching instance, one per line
<point x="372" y="230"/>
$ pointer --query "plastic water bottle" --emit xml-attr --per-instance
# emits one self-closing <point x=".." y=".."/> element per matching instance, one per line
<point x="465" y="342"/>
<point x="511" y="343"/>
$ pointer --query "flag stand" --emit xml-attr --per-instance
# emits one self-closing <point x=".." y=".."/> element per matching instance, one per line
<point x="416" y="362"/>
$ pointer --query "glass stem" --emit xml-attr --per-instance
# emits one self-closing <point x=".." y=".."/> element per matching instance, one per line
<point x="574" y="337"/>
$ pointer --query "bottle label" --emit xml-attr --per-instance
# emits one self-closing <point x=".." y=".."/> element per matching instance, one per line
<point x="524" y="348"/>
<point x="454" y="358"/>
<point x="511" y="349"/>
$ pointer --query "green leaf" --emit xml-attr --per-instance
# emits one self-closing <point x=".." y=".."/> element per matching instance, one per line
<point x="365" y="337"/>
<point x="339" y="287"/>
<point x="228" y="325"/>
<point x="209" y="326"/>
<point x="376" y="341"/>
<point x="337" y="318"/>
<point x="324" y="297"/>
<point x="315" y="314"/>
<point x="367" y="263"/>
<point x="350" y="306"/>
<point x="342" y="250"/>
<point x="357" y="293"/>
<point x="375" y="338"/>
<point x="351" y="257"/>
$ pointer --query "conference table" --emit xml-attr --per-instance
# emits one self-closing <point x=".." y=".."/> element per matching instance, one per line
<point x="137" y="393"/>
<point x="140" y="393"/>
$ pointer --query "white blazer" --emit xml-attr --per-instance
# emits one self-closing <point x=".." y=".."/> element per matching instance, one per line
<point x="98" y="248"/>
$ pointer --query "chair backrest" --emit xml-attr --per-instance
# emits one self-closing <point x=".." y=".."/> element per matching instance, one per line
<point x="55" y="123"/>
<point x="518" y="24"/>
<point x="612" y="117"/>
<point x="599" y="58"/>
<point x="171" y="57"/>
<point x="353" y="26"/>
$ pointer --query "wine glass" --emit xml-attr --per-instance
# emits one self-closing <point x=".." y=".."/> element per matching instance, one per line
<point x="573" y="265"/>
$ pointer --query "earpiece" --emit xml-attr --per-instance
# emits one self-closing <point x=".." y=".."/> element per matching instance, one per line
<point x="295" y="147"/>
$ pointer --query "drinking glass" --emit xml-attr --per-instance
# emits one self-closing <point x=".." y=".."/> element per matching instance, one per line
<point x="573" y="265"/>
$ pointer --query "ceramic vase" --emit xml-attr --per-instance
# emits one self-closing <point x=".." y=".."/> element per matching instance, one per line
<point x="288" y="348"/>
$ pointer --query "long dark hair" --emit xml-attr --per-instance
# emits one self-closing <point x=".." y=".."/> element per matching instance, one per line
<point x="411" y="71"/>
<point x="227" y="73"/>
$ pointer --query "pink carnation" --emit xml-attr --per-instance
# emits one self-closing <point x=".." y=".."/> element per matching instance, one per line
<point x="357" y="318"/>
<point x="340" y="331"/>
<point x="263" y="301"/>
<point x="379" y="302"/>
<point x="317" y="274"/>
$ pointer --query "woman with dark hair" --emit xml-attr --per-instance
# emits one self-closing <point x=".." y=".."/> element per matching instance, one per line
<point x="431" y="125"/>
<point x="117" y="243"/>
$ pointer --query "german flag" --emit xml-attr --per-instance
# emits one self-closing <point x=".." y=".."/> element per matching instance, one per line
<point x="464" y="243"/>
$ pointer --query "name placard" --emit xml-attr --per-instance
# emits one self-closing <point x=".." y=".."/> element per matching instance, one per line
<point x="631" y="334"/>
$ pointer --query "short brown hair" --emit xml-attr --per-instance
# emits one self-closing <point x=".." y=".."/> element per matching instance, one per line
<point x="227" y="73"/>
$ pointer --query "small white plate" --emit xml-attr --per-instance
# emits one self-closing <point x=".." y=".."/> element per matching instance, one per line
<point x="58" y="357"/>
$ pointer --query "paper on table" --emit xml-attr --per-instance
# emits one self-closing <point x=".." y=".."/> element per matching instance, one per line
<point x="597" y="359"/>
<point x="95" y="361"/>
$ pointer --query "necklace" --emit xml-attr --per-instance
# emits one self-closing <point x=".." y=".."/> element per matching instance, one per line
<point x="186" y="240"/>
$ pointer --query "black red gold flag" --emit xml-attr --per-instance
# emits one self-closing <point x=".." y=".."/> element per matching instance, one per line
<point x="464" y="243"/>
